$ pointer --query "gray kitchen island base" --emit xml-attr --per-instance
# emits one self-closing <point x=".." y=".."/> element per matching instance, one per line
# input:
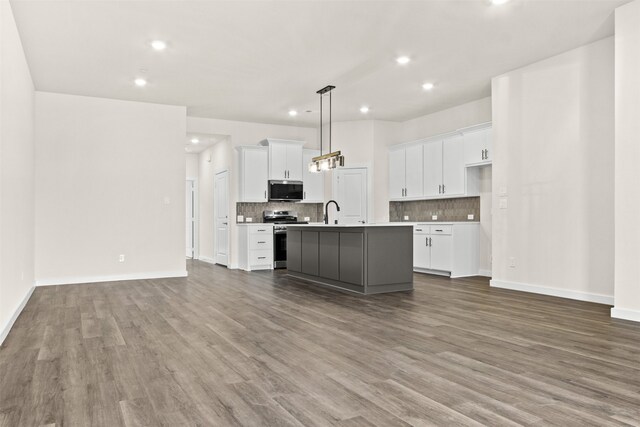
<point x="365" y="259"/>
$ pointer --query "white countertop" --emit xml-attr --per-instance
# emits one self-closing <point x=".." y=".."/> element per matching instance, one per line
<point x="262" y="224"/>
<point x="388" y="224"/>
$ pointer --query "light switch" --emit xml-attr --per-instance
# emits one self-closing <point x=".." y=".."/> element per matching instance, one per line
<point x="503" y="203"/>
<point x="248" y="219"/>
<point x="434" y="217"/>
<point x="306" y="218"/>
<point x="470" y="217"/>
<point x="240" y="218"/>
<point x="406" y="217"/>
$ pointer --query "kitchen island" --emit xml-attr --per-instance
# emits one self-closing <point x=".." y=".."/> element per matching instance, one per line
<point x="363" y="258"/>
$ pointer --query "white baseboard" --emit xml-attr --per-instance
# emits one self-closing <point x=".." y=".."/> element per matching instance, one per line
<point x="485" y="273"/>
<point x="206" y="259"/>
<point x="554" y="292"/>
<point x="626" y="314"/>
<point x="111" y="278"/>
<point x="12" y="320"/>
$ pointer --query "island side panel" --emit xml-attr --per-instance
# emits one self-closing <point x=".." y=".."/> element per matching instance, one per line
<point x="389" y="256"/>
<point x="310" y="253"/>
<point x="329" y="256"/>
<point x="352" y="258"/>
<point x="294" y="250"/>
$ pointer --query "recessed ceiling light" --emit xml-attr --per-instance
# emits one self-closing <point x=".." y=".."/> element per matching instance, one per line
<point x="195" y="140"/>
<point x="499" y="2"/>
<point x="364" y="109"/>
<point x="402" y="60"/>
<point x="427" y="86"/>
<point x="293" y="113"/>
<point x="140" y="82"/>
<point x="159" y="45"/>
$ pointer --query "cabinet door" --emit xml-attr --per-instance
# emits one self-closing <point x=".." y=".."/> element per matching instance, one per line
<point x="413" y="174"/>
<point x="441" y="252"/>
<point x="474" y="144"/>
<point x="313" y="183"/>
<point x="255" y="175"/>
<point x="488" y="145"/>
<point x="294" y="162"/>
<point x="351" y="268"/>
<point x="432" y="168"/>
<point x="421" y="253"/>
<point x="396" y="174"/>
<point x="453" y="168"/>
<point x="294" y="250"/>
<point x="277" y="160"/>
<point x="309" y="253"/>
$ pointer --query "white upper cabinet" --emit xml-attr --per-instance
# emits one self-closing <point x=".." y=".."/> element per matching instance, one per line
<point x="477" y="145"/>
<point x="433" y="169"/>
<point x="413" y="171"/>
<point x="313" y="183"/>
<point x="285" y="159"/>
<point x="453" y="168"/>
<point x="254" y="165"/>
<point x="405" y="172"/>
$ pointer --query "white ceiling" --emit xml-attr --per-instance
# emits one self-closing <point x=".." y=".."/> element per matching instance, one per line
<point x="255" y="60"/>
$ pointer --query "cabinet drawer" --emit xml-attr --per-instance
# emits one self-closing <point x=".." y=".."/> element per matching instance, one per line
<point x="262" y="257"/>
<point x="261" y="230"/>
<point x="261" y="241"/>
<point x="421" y="229"/>
<point x="441" y="229"/>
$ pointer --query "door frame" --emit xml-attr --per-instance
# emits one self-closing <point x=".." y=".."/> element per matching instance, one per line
<point x="196" y="218"/>
<point x="334" y="188"/>
<point x="215" y="226"/>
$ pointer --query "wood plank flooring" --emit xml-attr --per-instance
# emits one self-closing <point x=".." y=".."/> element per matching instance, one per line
<point x="226" y="348"/>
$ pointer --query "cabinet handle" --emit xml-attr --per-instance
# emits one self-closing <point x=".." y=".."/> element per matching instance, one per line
<point x="304" y="194"/>
<point x="486" y="154"/>
<point x="262" y="230"/>
<point x="429" y="241"/>
<point x="261" y="257"/>
<point x="418" y="229"/>
<point x="265" y="194"/>
<point x="439" y="230"/>
<point x="426" y="241"/>
<point x="443" y="189"/>
<point x="262" y="242"/>
<point x="482" y="154"/>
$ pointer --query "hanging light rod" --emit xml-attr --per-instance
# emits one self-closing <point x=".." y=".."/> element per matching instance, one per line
<point x="332" y="159"/>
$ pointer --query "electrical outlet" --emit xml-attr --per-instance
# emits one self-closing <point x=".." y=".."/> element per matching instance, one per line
<point x="503" y="203"/>
<point x="121" y="258"/>
<point x="248" y="219"/>
<point x="470" y="217"/>
<point x="306" y="218"/>
<point x="240" y="218"/>
<point x="434" y="217"/>
<point x="512" y="262"/>
<point x="406" y="217"/>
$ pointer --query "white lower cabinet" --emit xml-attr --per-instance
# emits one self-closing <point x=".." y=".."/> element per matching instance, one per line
<point x="447" y="249"/>
<point x="255" y="246"/>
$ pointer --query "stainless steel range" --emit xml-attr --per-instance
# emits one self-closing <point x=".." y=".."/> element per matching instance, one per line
<point x="280" y="219"/>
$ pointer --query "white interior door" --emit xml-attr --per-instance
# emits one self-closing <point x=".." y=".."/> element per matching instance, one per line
<point x="221" y="210"/>
<point x="191" y="220"/>
<point x="350" y="191"/>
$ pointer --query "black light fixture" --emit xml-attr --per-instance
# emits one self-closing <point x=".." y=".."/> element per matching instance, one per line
<point x="330" y="160"/>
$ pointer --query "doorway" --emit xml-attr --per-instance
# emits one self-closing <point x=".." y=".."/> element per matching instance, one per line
<point x="351" y="193"/>
<point x="221" y="217"/>
<point x="191" y="192"/>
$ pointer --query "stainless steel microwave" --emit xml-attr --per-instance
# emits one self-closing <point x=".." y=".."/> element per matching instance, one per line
<point x="285" y="191"/>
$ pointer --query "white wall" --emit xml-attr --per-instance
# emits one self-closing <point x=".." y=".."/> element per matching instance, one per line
<point x="226" y="157"/>
<point x="16" y="173"/>
<point x="553" y="145"/>
<point x="192" y="162"/>
<point x="105" y="170"/>
<point x="627" y="159"/>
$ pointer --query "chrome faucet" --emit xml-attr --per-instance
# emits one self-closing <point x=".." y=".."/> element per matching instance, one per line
<point x="326" y="211"/>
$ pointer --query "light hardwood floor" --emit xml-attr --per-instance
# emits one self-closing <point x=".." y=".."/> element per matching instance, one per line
<point x="228" y="348"/>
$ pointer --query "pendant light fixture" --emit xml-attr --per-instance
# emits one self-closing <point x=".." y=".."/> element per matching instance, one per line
<point x="333" y="159"/>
